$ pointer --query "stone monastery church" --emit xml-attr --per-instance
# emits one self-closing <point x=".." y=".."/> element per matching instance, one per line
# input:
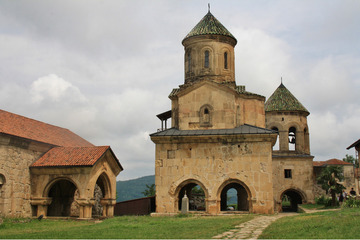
<point x="223" y="139"/>
<point x="222" y="136"/>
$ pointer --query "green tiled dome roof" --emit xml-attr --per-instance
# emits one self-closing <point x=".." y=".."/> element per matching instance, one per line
<point x="209" y="25"/>
<point x="283" y="100"/>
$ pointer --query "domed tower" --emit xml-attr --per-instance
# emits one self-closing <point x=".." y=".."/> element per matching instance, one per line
<point x="288" y="116"/>
<point x="209" y="52"/>
<point x="209" y="97"/>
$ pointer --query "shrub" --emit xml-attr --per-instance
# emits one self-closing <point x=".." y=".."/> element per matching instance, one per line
<point x="351" y="202"/>
<point x="326" y="201"/>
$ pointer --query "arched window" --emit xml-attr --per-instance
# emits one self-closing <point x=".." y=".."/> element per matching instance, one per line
<point x="292" y="139"/>
<point x="225" y="60"/>
<point x="188" y="61"/>
<point x="277" y="144"/>
<point x="207" y="55"/>
<point x="205" y="115"/>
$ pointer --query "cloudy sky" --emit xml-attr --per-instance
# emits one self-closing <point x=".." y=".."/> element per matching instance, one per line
<point x="104" y="69"/>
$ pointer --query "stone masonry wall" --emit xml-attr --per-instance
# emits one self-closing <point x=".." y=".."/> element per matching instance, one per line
<point x="15" y="158"/>
<point x="212" y="165"/>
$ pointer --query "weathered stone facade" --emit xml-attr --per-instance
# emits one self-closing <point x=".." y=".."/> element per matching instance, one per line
<point x="222" y="136"/>
<point x="16" y="157"/>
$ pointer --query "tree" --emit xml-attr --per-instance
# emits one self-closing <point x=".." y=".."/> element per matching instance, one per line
<point x="149" y="191"/>
<point x="351" y="159"/>
<point x="329" y="180"/>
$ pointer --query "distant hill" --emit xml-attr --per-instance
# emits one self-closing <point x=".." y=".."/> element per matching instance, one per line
<point x="131" y="189"/>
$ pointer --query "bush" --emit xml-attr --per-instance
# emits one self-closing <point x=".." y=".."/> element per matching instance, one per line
<point x="326" y="201"/>
<point x="351" y="202"/>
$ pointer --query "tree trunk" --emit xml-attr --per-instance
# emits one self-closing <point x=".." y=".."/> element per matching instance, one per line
<point x="333" y="196"/>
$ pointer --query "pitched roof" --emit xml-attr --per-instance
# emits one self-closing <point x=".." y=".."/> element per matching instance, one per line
<point x="243" y="129"/>
<point x="283" y="100"/>
<point x="355" y="144"/>
<point x="71" y="156"/>
<point x="333" y="161"/>
<point x="16" y="125"/>
<point x="209" y="25"/>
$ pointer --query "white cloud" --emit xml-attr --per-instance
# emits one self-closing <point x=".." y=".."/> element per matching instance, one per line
<point x="54" y="88"/>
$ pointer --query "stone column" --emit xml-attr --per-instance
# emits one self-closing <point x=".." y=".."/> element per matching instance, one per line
<point x="283" y="140"/>
<point x="42" y="204"/>
<point x="85" y="207"/>
<point x="108" y="206"/>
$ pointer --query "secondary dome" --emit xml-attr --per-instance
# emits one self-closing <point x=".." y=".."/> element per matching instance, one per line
<point x="283" y="100"/>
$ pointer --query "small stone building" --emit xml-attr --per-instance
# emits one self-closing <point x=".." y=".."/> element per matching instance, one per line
<point x="221" y="136"/>
<point x="46" y="170"/>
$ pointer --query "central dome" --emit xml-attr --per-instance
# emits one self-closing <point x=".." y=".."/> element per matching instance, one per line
<point x="209" y="25"/>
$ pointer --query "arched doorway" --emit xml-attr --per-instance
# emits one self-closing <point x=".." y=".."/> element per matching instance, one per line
<point x="234" y="191"/>
<point x="196" y="196"/>
<point x="62" y="195"/>
<point x="290" y="200"/>
<point x="101" y="191"/>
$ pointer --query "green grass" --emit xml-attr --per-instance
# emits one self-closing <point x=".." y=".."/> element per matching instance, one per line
<point x="329" y="224"/>
<point x="317" y="206"/>
<point x="130" y="227"/>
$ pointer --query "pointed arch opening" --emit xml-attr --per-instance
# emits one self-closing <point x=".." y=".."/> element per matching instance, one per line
<point x="62" y="194"/>
<point x="234" y="197"/>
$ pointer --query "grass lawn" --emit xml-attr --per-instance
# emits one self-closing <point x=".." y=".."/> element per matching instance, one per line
<point x="129" y="227"/>
<point x="338" y="224"/>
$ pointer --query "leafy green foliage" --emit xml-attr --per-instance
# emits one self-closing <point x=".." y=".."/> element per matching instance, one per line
<point x="351" y="159"/>
<point x="149" y="191"/>
<point x="132" y="189"/>
<point x="351" y="202"/>
<point x="329" y="180"/>
<point x="326" y="201"/>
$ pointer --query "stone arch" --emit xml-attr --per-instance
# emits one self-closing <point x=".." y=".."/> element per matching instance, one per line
<point x="188" y="185"/>
<point x="243" y="195"/>
<point x="101" y="190"/>
<point x="205" y="115"/>
<point x="295" y="196"/>
<point x="61" y="191"/>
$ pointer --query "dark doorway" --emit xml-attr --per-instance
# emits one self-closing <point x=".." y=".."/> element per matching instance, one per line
<point x="196" y="197"/>
<point x="231" y="192"/>
<point x="290" y="200"/>
<point x="62" y="194"/>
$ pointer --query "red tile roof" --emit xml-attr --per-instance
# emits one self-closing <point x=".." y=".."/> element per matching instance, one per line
<point x="71" y="156"/>
<point x="23" y="127"/>
<point x="333" y="161"/>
